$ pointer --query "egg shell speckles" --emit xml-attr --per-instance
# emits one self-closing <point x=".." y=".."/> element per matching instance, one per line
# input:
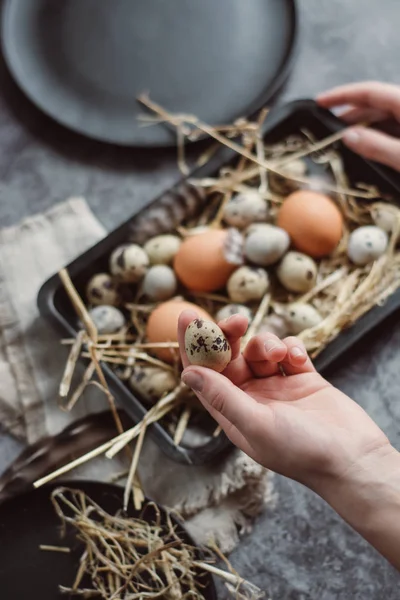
<point x="247" y="284"/>
<point x="367" y="244"/>
<point x="207" y="346"/>
<point x="245" y="208"/>
<point x="297" y="272"/>
<point x="129" y="263"/>
<point x="101" y="289"/>
<point x="162" y="249"/>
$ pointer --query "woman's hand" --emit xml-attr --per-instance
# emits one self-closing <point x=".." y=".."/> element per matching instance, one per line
<point x="369" y="102"/>
<point x="297" y="425"/>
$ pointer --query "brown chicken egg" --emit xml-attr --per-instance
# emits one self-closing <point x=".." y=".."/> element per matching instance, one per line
<point x="313" y="221"/>
<point x="200" y="263"/>
<point x="162" y="325"/>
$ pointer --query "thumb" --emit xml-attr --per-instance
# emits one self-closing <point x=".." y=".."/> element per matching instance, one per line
<point x="374" y="145"/>
<point x="222" y="398"/>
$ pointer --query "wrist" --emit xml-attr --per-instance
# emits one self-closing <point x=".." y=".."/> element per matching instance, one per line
<point x="367" y="496"/>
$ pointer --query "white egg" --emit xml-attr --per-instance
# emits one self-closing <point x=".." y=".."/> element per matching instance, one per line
<point x="300" y="316"/>
<point x="297" y="272"/>
<point x="129" y="263"/>
<point x="367" y="244"/>
<point x="247" y="284"/>
<point x="233" y="309"/>
<point x="107" y="319"/>
<point x="162" y="249"/>
<point x="101" y="289"/>
<point x="152" y="382"/>
<point x="245" y="208"/>
<point x="266" y="244"/>
<point x="160" y="283"/>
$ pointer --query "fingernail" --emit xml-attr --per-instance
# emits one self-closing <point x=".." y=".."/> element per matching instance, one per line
<point x="352" y="137"/>
<point x="193" y="380"/>
<point x="270" y="345"/>
<point x="296" y="352"/>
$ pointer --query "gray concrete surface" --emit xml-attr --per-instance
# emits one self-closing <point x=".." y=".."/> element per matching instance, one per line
<point x="299" y="550"/>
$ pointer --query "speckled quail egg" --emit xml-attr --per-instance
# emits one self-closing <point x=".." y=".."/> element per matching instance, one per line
<point x="300" y="316"/>
<point x="162" y="249"/>
<point x="101" y="289"/>
<point x="275" y="324"/>
<point x="297" y="272"/>
<point x="266" y="244"/>
<point x="152" y="382"/>
<point x="159" y="283"/>
<point x="367" y="244"/>
<point x="284" y="185"/>
<point x="107" y="319"/>
<point x="233" y="309"/>
<point x="385" y="216"/>
<point x="247" y="283"/>
<point x="129" y="263"/>
<point x="207" y="346"/>
<point x="245" y="208"/>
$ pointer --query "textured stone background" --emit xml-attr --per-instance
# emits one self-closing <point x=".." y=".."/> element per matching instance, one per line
<point x="301" y="549"/>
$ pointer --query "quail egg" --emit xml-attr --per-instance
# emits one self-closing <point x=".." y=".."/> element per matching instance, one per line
<point x="367" y="244"/>
<point x="266" y="244"/>
<point x="244" y="209"/>
<point x="159" y="283"/>
<point x="300" y="316"/>
<point x="275" y="324"/>
<point x="385" y="216"/>
<point x="107" y="319"/>
<point x="129" y="263"/>
<point x="282" y="184"/>
<point x="247" y="283"/>
<point x="297" y="272"/>
<point x="152" y="382"/>
<point x="101" y="289"/>
<point x="207" y="346"/>
<point x="162" y="249"/>
<point x="233" y="309"/>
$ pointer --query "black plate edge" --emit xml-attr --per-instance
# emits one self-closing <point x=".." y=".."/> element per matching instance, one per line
<point x="269" y="95"/>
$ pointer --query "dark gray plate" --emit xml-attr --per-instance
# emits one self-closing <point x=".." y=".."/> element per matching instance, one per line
<point x="84" y="62"/>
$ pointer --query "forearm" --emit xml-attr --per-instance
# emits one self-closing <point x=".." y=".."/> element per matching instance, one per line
<point x="368" y="498"/>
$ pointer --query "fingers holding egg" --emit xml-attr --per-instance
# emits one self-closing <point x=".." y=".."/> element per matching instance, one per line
<point x="263" y="353"/>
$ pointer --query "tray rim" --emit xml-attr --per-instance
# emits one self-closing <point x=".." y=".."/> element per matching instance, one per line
<point x="273" y="89"/>
<point x="334" y="350"/>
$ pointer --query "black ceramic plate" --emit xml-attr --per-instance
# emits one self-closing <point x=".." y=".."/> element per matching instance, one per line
<point x="28" y="521"/>
<point x="84" y="62"/>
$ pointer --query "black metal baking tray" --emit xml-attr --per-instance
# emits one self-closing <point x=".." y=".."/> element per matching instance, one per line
<point x="182" y="201"/>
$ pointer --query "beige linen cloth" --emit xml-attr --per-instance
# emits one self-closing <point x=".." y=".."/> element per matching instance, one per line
<point x="217" y="500"/>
